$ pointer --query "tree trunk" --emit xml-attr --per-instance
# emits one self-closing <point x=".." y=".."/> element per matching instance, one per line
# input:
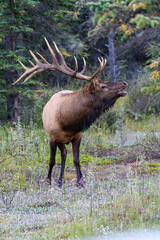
<point x="9" y="77"/>
<point x="12" y="98"/>
<point x="112" y="61"/>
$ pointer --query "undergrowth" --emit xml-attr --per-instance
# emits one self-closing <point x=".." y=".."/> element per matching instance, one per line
<point x="70" y="213"/>
<point x="114" y="199"/>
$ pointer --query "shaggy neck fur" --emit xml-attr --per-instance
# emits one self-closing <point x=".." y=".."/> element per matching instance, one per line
<point x="90" y="109"/>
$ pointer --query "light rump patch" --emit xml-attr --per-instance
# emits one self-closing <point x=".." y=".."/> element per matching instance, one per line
<point x="66" y="92"/>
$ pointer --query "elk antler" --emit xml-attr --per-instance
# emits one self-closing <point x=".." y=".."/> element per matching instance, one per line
<point x="40" y="67"/>
<point x="99" y="72"/>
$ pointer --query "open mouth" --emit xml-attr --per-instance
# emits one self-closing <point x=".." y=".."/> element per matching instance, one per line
<point x="122" y="93"/>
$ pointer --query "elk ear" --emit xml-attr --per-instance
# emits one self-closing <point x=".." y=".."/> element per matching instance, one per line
<point x="96" y="81"/>
<point x="91" y="87"/>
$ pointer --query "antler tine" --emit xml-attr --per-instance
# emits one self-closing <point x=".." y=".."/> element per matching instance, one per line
<point x="62" y="67"/>
<point x="60" y="54"/>
<point x="98" y="70"/>
<point x="23" y="65"/>
<point x="51" y="51"/>
<point x="103" y="64"/>
<point x="31" y="63"/>
<point x="63" y="63"/>
<point x="76" y="65"/>
<point x="44" y="60"/>
<point x="31" y="71"/>
<point x="84" y="66"/>
<point x="22" y="76"/>
<point x="19" y="79"/>
<point x="32" y="74"/>
<point x="34" y="56"/>
<point x="28" y="70"/>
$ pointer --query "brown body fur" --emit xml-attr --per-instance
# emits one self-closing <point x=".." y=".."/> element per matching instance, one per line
<point x="67" y="114"/>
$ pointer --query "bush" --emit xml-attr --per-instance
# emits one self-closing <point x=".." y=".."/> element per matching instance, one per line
<point x="110" y="120"/>
<point x="140" y="102"/>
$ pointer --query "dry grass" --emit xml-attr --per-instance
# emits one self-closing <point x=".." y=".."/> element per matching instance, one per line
<point x="116" y="197"/>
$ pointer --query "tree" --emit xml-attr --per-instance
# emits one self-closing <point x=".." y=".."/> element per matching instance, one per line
<point x="153" y="65"/>
<point x="122" y="17"/>
<point x="12" y="28"/>
<point x="23" y="24"/>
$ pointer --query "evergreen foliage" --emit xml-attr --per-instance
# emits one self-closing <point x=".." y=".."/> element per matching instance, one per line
<point x="126" y="16"/>
<point x="154" y="67"/>
<point x="78" y="27"/>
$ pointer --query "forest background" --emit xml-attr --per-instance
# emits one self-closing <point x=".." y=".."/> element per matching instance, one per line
<point x="126" y="33"/>
<point x="120" y="152"/>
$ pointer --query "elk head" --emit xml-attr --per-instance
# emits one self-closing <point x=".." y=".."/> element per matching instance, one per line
<point x="69" y="113"/>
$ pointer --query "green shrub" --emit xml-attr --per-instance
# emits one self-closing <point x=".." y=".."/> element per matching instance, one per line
<point x="110" y="120"/>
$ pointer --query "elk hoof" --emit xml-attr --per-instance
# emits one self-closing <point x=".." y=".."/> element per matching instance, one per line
<point x="48" y="181"/>
<point x="60" y="183"/>
<point x="80" y="183"/>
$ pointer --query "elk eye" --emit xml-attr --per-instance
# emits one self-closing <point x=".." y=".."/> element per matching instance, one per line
<point x="104" y="87"/>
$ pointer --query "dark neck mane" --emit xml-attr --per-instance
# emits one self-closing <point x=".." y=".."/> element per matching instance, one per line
<point x="91" y="108"/>
<point x="95" y="113"/>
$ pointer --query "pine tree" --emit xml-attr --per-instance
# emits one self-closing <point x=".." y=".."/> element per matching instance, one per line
<point x="123" y="17"/>
<point x="23" y="26"/>
<point x="12" y="28"/>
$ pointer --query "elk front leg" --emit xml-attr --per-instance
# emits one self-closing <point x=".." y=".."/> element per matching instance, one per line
<point x="75" y="145"/>
<point x="53" y="147"/>
<point x="63" y="160"/>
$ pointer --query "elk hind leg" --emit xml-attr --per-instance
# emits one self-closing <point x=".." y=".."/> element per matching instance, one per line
<point x="53" y="147"/>
<point x="75" y="146"/>
<point x="63" y="160"/>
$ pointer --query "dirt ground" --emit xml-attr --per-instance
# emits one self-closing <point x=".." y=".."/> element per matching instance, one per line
<point x="128" y="160"/>
<point x="127" y="154"/>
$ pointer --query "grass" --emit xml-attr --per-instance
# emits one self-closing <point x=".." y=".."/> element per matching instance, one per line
<point x="151" y="167"/>
<point x="84" y="159"/>
<point x="69" y="213"/>
<point x="115" y="197"/>
<point x="143" y="125"/>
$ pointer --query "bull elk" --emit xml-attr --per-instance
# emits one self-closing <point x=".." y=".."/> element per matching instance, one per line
<point x="67" y="114"/>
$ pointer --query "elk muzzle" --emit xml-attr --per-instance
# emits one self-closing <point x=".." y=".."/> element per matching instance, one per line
<point x="122" y="93"/>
